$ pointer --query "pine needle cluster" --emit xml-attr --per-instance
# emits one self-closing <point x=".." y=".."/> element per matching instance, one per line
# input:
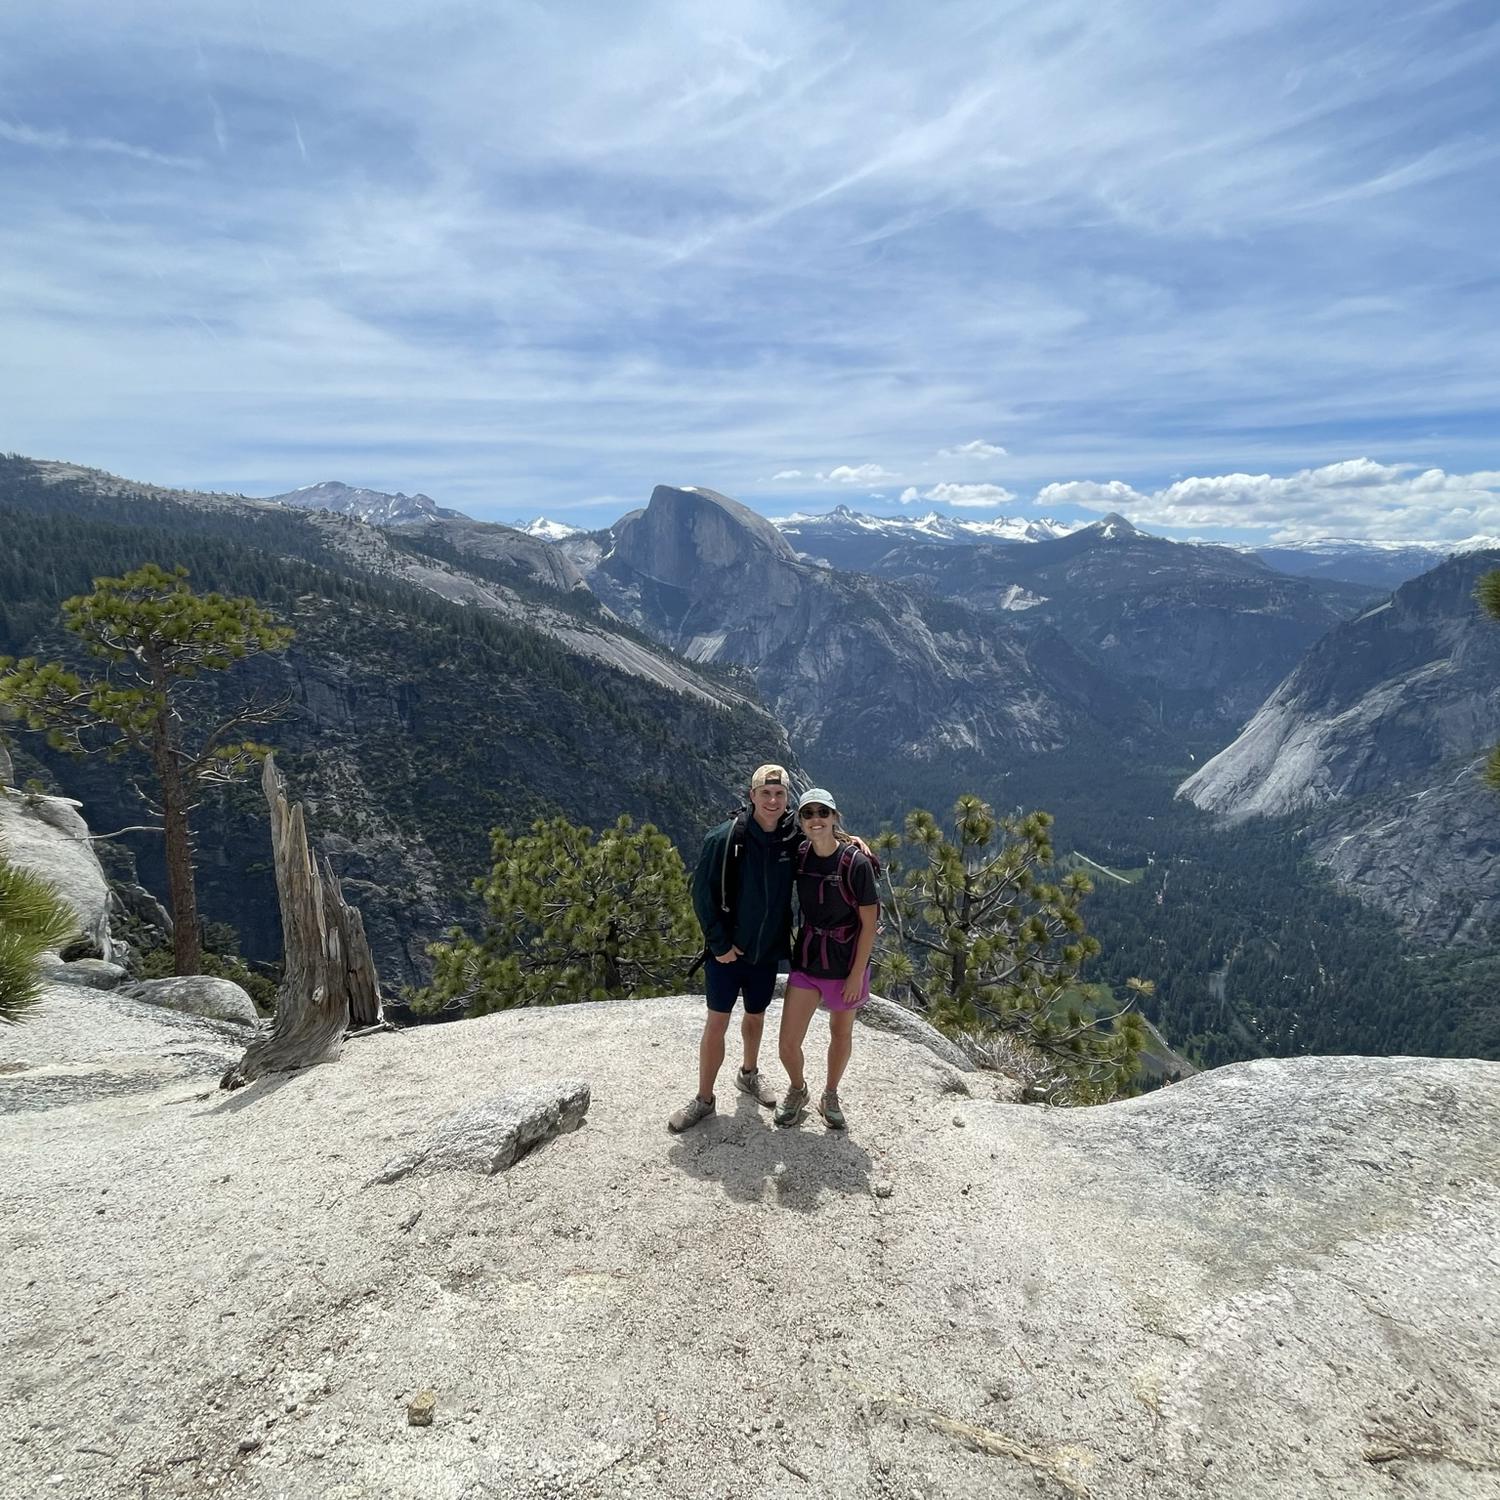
<point x="984" y="941"/>
<point x="154" y="638"/>
<point x="571" y="917"/>
<point x="33" y="919"/>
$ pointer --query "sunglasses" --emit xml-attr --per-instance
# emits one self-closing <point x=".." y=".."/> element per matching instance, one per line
<point x="814" y="811"/>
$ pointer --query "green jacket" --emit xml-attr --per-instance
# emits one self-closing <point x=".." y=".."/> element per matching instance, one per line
<point x="742" y="888"/>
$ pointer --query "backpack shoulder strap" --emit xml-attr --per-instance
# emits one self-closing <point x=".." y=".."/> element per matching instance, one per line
<point x="847" y="853"/>
<point x="734" y="846"/>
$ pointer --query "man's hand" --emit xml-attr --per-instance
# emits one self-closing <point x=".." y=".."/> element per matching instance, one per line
<point x="728" y="958"/>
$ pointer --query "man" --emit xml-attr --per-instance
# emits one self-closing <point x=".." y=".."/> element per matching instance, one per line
<point x="742" y="894"/>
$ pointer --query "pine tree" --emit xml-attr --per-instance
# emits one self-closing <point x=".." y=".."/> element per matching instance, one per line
<point x="571" y="918"/>
<point x="982" y="941"/>
<point x="33" y="918"/>
<point x="1488" y="594"/>
<point x="156" y="637"/>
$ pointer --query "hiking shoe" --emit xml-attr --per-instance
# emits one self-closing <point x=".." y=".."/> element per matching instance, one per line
<point x="792" y="1107"/>
<point x="694" y="1110"/>
<point x="753" y="1084"/>
<point x="828" y="1107"/>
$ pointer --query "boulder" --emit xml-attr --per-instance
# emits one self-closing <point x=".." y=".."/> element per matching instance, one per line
<point x="46" y="836"/>
<point x="90" y="973"/>
<point x="196" y="995"/>
<point x="495" y="1133"/>
<point x="897" y="1020"/>
<point x="136" y="904"/>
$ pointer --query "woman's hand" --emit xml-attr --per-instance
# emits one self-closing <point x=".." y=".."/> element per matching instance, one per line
<point x="854" y="987"/>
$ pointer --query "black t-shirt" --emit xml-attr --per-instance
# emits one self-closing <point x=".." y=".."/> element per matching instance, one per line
<point x="828" y="928"/>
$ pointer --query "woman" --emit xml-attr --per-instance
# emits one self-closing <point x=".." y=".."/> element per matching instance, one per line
<point x="831" y="956"/>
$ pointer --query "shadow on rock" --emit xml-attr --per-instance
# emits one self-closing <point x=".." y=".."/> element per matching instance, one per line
<point x="755" y="1161"/>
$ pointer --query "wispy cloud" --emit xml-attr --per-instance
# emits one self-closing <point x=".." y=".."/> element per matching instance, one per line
<point x="1134" y="241"/>
<point x="66" y="141"/>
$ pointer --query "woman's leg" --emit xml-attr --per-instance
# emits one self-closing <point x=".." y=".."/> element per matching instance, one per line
<point x="796" y="1014"/>
<point x="840" y="1045"/>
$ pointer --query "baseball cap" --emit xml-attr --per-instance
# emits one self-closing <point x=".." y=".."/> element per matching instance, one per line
<point x="770" y="775"/>
<point x="819" y="795"/>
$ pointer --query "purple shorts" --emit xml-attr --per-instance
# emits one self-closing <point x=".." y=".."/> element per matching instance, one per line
<point x="830" y="991"/>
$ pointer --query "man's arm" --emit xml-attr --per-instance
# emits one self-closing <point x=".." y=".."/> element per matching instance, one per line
<point x="706" y="897"/>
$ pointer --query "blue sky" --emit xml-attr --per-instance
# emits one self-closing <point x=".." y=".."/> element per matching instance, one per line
<point x="1228" y="268"/>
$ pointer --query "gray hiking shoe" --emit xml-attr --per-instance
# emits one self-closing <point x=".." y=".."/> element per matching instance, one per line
<point x="753" y="1084"/>
<point x="792" y="1107"/>
<point x="828" y="1107"/>
<point x="694" y="1110"/>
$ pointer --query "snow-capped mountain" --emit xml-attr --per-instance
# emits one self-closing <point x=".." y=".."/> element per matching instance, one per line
<point x="373" y="506"/>
<point x="847" y="539"/>
<point x="549" y="531"/>
<point x="1383" y="563"/>
<point x="933" y="526"/>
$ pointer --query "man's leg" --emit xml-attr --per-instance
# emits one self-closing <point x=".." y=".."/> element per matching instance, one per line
<point x="711" y="1051"/>
<point x="722" y="987"/>
<point x="752" y="1028"/>
<point x="759" y="989"/>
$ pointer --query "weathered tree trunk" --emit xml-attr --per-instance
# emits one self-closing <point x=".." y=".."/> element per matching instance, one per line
<point x="177" y="839"/>
<point x="330" y="983"/>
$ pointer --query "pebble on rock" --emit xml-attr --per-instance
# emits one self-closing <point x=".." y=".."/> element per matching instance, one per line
<point x="420" y="1409"/>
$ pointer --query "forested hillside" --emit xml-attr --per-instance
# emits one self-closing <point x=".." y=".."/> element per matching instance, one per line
<point x="417" y="723"/>
<point x="1253" y="949"/>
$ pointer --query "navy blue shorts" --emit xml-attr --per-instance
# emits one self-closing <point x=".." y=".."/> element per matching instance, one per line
<point x="724" y="983"/>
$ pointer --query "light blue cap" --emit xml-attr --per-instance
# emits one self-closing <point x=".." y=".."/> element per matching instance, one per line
<point x="821" y="795"/>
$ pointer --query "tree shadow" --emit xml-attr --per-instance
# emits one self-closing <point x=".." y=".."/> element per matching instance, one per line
<point x="756" y="1161"/>
<point x="250" y="1095"/>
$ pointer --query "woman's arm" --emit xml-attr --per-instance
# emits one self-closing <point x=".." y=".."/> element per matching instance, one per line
<point x="854" y="985"/>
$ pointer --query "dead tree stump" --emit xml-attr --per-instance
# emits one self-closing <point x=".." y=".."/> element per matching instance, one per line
<point x="330" y="983"/>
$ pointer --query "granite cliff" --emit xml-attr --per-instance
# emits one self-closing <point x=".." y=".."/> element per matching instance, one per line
<point x="1374" y="743"/>
<point x="846" y="661"/>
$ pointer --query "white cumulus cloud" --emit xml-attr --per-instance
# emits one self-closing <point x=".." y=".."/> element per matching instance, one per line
<point x="979" y="448"/>
<point x="1355" y="497"/>
<point x="787" y="474"/>
<point x="857" y="474"/>
<point x="1116" y="495"/>
<point x="968" y="496"/>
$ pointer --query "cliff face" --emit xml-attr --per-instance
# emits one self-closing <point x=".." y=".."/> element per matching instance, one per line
<point x="1378" y="735"/>
<point x="1204" y="633"/>
<point x="846" y="662"/>
<point x="904" y="1308"/>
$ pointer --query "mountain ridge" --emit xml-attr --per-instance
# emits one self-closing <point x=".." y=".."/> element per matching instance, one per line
<point x="1374" y="743"/>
